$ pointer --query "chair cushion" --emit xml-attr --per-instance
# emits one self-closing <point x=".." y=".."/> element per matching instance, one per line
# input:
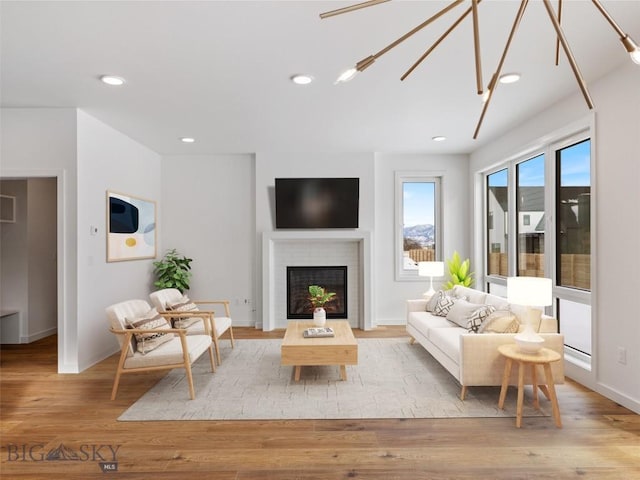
<point x="146" y="342"/>
<point x="222" y="325"/>
<point x="448" y="340"/>
<point x="170" y="353"/>
<point x="426" y="322"/>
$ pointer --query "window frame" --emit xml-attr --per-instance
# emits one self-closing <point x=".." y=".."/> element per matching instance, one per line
<point x="548" y="146"/>
<point x="402" y="177"/>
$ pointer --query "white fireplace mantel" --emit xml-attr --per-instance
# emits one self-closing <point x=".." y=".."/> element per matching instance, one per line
<point x="277" y="238"/>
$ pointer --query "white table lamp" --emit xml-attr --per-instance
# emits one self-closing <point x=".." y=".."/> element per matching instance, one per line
<point x="529" y="292"/>
<point x="430" y="269"/>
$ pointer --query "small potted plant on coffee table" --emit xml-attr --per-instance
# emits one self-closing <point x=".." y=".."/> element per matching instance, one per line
<point x="318" y="298"/>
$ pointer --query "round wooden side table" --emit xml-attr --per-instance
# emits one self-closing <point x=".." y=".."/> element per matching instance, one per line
<point x="544" y="357"/>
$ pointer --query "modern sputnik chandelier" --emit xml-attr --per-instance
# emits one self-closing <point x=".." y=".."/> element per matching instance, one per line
<point x="556" y="20"/>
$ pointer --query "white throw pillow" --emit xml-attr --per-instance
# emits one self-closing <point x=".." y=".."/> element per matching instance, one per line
<point x="469" y="315"/>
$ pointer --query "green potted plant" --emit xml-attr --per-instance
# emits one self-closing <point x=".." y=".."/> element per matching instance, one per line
<point x="319" y="298"/>
<point x="173" y="271"/>
<point x="458" y="272"/>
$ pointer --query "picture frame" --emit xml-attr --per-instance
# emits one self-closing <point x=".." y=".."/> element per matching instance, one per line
<point x="131" y="227"/>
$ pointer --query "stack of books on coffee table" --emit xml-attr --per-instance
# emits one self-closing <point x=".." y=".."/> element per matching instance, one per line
<point x="318" y="332"/>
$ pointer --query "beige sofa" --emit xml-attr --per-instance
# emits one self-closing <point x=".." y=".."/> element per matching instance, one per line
<point x="473" y="358"/>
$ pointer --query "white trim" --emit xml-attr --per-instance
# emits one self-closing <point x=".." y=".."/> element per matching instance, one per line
<point x="437" y="177"/>
<point x="67" y="349"/>
<point x="366" y="287"/>
<point x="581" y="369"/>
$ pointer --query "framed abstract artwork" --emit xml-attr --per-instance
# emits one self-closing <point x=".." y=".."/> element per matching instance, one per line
<point x="131" y="227"/>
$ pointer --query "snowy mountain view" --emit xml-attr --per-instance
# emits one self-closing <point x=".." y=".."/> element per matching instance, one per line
<point x="423" y="235"/>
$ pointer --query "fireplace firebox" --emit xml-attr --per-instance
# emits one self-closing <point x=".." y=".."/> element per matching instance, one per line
<point x="332" y="278"/>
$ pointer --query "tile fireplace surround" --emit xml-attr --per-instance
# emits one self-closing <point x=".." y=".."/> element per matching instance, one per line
<point x="317" y="247"/>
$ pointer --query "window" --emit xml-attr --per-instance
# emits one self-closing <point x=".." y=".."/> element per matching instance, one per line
<point x="573" y="210"/>
<point x="530" y="211"/>
<point x="544" y="225"/>
<point x="417" y="208"/>
<point x="497" y="222"/>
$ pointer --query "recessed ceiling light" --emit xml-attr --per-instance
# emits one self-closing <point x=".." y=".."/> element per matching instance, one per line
<point x="302" y="79"/>
<point x="187" y="139"/>
<point x="112" y="80"/>
<point x="509" y="78"/>
<point x="438" y="138"/>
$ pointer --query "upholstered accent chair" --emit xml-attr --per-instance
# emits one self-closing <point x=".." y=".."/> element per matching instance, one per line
<point x="148" y="342"/>
<point x="188" y="314"/>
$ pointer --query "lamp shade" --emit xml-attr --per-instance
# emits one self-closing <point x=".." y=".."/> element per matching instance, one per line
<point x="529" y="291"/>
<point x="431" y="269"/>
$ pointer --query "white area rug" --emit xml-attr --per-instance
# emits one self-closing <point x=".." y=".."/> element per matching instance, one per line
<point x="392" y="380"/>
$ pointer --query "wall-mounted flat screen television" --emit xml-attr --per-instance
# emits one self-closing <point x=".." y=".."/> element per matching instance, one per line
<point x="317" y="202"/>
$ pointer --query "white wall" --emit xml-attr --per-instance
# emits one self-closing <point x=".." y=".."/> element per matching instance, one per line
<point x="14" y="281"/>
<point x="87" y="158"/>
<point x="41" y="142"/>
<point x="108" y="160"/>
<point x="617" y="197"/>
<point x="42" y="319"/>
<point x="453" y="169"/>
<point x="208" y="215"/>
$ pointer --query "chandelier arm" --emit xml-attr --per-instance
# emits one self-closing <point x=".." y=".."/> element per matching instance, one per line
<point x="372" y="58"/>
<point x="493" y="83"/>
<point x="436" y="43"/>
<point x="352" y="8"/>
<point x="628" y="43"/>
<point x="569" y="54"/>
<point x="558" y="39"/>
<point x="610" y="19"/>
<point x="476" y="44"/>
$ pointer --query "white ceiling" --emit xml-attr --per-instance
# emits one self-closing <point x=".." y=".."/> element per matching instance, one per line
<point x="219" y="71"/>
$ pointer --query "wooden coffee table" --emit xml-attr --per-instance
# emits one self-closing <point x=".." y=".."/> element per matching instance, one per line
<point x="342" y="349"/>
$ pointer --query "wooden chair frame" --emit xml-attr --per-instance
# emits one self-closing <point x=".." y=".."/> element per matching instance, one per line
<point x="186" y="364"/>
<point x="209" y="320"/>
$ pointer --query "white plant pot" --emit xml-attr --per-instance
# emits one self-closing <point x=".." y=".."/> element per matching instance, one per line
<point x="319" y="317"/>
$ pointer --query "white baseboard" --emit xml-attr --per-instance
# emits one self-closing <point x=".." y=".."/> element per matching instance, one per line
<point x="390" y="321"/>
<point x="38" y="335"/>
<point x="95" y="359"/>
<point x="618" y="397"/>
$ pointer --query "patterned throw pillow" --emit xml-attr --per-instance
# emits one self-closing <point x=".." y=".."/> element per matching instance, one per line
<point x="478" y="316"/>
<point x="431" y="303"/>
<point x="500" y="321"/>
<point x="145" y="342"/>
<point x="183" y="305"/>
<point x="443" y="305"/>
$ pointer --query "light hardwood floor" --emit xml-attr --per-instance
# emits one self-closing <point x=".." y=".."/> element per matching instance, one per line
<point x="41" y="410"/>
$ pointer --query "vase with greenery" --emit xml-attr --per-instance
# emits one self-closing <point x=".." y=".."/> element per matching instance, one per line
<point x="173" y="271"/>
<point x="459" y="272"/>
<point x="319" y="297"/>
